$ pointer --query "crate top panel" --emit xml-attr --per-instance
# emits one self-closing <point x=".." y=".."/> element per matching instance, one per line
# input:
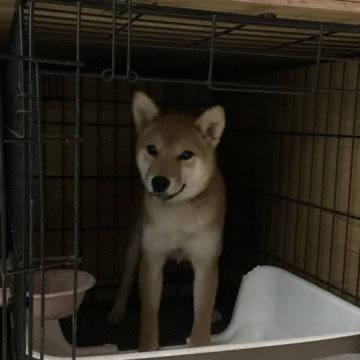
<point x="160" y="26"/>
<point x="165" y="38"/>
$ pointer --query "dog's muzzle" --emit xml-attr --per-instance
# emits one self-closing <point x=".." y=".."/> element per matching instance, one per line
<point x="163" y="196"/>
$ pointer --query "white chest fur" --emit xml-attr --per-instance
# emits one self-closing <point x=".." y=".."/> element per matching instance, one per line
<point x="181" y="231"/>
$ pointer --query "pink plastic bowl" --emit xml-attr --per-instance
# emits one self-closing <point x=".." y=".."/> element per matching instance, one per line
<point x="59" y="297"/>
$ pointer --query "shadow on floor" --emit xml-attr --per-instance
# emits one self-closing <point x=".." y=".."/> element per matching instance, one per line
<point x="176" y="316"/>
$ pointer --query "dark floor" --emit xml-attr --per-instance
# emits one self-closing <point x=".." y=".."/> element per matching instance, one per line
<point x="176" y="315"/>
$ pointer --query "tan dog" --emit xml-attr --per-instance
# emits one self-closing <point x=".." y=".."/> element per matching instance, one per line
<point x="182" y="215"/>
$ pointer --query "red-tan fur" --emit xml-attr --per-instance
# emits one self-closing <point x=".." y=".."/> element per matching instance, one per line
<point x="188" y="226"/>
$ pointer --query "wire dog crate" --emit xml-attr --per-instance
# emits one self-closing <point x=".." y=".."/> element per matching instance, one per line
<point x="290" y="89"/>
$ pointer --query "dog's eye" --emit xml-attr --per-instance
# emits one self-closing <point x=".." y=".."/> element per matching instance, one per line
<point x="186" y="155"/>
<point x="151" y="149"/>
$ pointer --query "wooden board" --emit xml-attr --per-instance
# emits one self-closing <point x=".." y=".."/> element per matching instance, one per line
<point x="7" y="9"/>
<point x="342" y="11"/>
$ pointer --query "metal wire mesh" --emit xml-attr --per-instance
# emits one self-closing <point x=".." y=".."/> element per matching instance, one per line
<point x="302" y="154"/>
<point x="243" y="43"/>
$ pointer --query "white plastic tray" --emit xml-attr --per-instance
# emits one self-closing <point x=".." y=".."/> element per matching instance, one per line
<point x="274" y="308"/>
<point x="274" y="305"/>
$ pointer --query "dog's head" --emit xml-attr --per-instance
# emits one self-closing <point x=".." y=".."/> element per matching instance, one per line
<point x="175" y="153"/>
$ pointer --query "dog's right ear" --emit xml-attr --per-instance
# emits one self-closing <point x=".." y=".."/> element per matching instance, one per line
<point x="144" y="111"/>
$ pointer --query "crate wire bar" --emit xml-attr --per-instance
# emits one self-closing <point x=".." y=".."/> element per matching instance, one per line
<point x="29" y="112"/>
<point x="126" y="27"/>
<point x="77" y="176"/>
<point x="3" y="243"/>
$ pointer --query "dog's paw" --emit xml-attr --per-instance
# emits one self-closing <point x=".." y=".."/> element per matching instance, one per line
<point x="116" y="316"/>
<point x="199" y="339"/>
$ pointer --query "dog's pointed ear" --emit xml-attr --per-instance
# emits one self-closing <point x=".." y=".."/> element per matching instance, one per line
<point x="211" y="124"/>
<point x="144" y="111"/>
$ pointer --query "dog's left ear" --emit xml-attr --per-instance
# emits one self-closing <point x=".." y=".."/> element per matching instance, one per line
<point x="211" y="124"/>
<point x="144" y="111"/>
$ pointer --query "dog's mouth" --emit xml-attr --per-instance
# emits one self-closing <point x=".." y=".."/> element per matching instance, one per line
<point x="165" y="197"/>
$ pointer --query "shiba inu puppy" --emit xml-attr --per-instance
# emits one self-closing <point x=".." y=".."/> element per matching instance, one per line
<point x="181" y="214"/>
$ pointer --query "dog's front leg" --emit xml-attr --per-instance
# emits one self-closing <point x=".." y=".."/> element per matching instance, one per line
<point x="150" y="280"/>
<point x="205" y="285"/>
<point x="117" y="313"/>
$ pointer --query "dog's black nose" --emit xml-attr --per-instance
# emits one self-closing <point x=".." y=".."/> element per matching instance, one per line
<point x="160" y="183"/>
